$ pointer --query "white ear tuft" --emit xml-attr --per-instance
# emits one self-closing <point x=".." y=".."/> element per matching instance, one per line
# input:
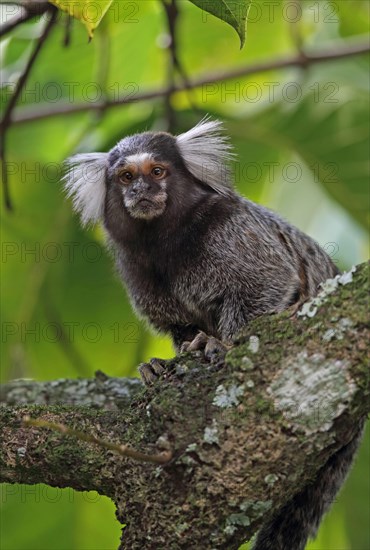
<point x="206" y="152"/>
<point x="85" y="183"/>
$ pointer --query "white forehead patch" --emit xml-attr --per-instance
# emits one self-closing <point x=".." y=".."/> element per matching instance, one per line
<point x="139" y="158"/>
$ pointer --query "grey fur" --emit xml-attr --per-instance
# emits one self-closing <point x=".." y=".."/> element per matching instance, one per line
<point x="194" y="255"/>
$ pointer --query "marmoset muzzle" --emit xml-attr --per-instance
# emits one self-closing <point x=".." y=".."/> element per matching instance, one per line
<point x="145" y="199"/>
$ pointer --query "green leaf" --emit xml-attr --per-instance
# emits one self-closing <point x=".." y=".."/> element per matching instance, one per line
<point x="232" y="12"/>
<point x="89" y="12"/>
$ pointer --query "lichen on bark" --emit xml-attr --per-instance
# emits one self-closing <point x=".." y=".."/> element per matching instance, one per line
<point x="246" y="434"/>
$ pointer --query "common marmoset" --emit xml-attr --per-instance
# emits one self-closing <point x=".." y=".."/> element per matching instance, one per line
<point x="199" y="262"/>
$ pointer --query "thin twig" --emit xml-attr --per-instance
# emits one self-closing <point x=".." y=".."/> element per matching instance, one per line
<point x="172" y="13"/>
<point x="7" y="117"/>
<point x="67" y="30"/>
<point x="27" y="114"/>
<point x="123" y="450"/>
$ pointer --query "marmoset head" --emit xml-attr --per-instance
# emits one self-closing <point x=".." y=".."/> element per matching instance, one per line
<point x="144" y="174"/>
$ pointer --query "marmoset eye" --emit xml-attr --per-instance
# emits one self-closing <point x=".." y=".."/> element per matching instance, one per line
<point x="126" y="177"/>
<point x="158" y="172"/>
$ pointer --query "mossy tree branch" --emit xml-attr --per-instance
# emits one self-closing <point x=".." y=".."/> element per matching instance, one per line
<point x="245" y="434"/>
<point x="102" y="391"/>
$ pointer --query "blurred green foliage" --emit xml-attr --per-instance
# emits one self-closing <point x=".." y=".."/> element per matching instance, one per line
<point x="302" y="138"/>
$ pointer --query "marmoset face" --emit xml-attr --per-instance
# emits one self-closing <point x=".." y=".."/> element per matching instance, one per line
<point x="142" y="167"/>
<point x="143" y="182"/>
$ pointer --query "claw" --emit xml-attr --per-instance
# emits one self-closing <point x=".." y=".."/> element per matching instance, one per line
<point x="156" y="366"/>
<point x="212" y="347"/>
<point x="184" y="346"/>
<point x="150" y="372"/>
<point x="199" y="342"/>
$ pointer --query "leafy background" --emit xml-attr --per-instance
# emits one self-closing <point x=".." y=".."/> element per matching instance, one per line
<point x="302" y="137"/>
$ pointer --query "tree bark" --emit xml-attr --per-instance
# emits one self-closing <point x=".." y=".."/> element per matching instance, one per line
<point x="246" y="434"/>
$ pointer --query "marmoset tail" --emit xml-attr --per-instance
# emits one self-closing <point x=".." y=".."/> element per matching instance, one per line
<point x="199" y="262"/>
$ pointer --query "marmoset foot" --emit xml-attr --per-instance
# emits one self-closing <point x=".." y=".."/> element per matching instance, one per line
<point x="150" y="372"/>
<point x="212" y="347"/>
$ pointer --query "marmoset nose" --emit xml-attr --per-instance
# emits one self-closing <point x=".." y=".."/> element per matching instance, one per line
<point x="140" y="186"/>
